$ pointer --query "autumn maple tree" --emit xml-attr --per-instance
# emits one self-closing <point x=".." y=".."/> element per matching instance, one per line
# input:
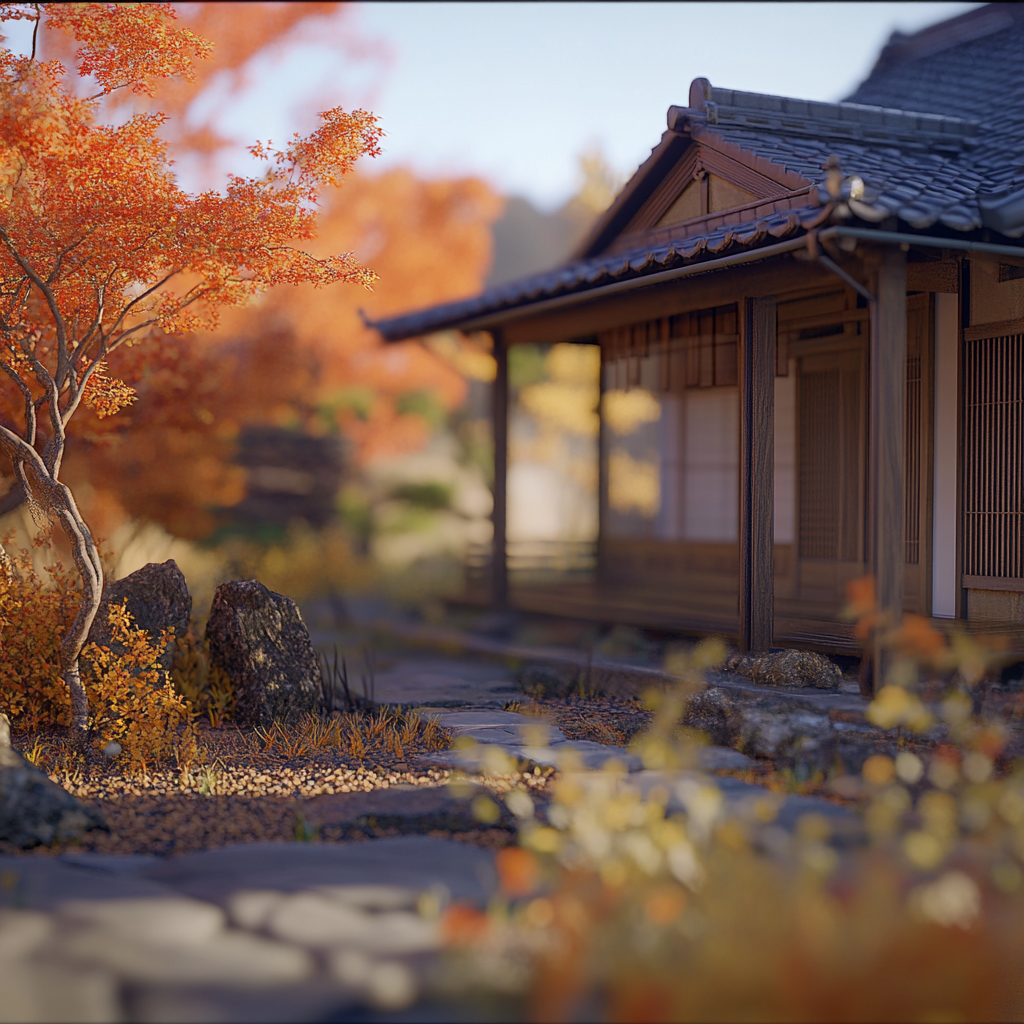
<point x="101" y="250"/>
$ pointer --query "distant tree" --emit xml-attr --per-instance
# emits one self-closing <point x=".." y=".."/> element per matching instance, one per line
<point x="100" y="249"/>
<point x="298" y="357"/>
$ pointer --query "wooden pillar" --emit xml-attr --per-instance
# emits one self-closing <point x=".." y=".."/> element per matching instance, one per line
<point x="885" y="450"/>
<point x="499" y="430"/>
<point x="757" y="476"/>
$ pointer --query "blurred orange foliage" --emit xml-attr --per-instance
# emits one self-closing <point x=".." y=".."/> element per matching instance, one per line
<point x="297" y="357"/>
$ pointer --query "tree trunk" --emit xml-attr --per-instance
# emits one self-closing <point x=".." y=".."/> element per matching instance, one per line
<point x="62" y="505"/>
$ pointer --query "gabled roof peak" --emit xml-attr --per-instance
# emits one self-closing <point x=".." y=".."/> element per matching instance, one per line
<point x="787" y="116"/>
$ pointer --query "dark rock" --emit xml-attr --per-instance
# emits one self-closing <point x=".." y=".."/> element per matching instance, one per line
<point x="761" y="726"/>
<point x="259" y="639"/>
<point x="788" y="668"/>
<point x="772" y="726"/>
<point x="158" y="599"/>
<point x="34" y="810"/>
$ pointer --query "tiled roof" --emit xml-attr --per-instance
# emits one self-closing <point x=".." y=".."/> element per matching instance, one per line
<point x="935" y="135"/>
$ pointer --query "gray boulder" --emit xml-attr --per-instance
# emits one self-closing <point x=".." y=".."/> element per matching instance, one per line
<point x="158" y="599"/>
<point x="259" y="639"/>
<point x="785" y="729"/>
<point x="34" y="810"/>
<point x="796" y="669"/>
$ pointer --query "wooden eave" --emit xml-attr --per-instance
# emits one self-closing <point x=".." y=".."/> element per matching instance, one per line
<point x="708" y="222"/>
<point x="671" y="165"/>
<point x="634" y="195"/>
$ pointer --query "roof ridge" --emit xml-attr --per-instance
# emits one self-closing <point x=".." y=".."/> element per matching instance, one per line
<point x="963" y="28"/>
<point x="859" y="121"/>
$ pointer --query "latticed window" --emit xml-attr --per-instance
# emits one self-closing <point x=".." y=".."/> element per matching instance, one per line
<point x="994" y="450"/>
<point x="692" y="350"/>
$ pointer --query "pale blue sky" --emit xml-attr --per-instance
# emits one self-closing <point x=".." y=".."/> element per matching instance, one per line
<point x="515" y="91"/>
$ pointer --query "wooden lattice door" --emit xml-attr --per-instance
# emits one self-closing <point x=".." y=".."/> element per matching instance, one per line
<point x="830" y="473"/>
<point x="917" y="457"/>
<point x="993" y="482"/>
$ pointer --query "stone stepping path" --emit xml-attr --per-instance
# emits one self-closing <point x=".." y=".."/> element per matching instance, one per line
<point x="533" y="739"/>
<point x="289" y="931"/>
<point x="440" y="682"/>
<point x="256" y="932"/>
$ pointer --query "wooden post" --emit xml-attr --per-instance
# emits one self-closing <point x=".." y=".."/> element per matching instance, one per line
<point x="499" y="516"/>
<point x="757" y="476"/>
<point x="885" y="450"/>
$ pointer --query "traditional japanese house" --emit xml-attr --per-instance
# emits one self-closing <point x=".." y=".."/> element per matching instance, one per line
<point x="826" y="303"/>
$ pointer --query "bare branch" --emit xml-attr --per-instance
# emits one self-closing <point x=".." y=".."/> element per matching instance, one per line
<point x="30" y="408"/>
<point x="35" y="31"/>
<point x="47" y="291"/>
<point x="76" y="392"/>
<point x="20" y="451"/>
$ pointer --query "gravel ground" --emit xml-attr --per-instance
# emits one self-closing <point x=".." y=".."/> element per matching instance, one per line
<point x="242" y="792"/>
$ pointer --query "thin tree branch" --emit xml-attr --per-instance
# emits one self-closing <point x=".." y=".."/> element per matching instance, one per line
<point x="35" y="31"/>
<point x="30" y="408"/>
<point x="51" y="299"/>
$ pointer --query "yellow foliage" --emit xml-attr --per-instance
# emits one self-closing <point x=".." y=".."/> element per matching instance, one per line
<point x="625" y="411"/>
<point x="622" y="903"/>
<point x="132" y="700"/>
<point x="308" y="564"/>
<point x="208" y="690"/>
<point x="574" y="364"/>
<point x="568" y="399"/>
<point x="34" y="615"/>
<point x="633" y="484"/>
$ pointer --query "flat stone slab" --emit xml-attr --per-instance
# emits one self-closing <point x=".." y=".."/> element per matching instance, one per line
<point x="414" y="861"/>
<point x="252" y="932"/>
<point x="420" y="807"/>
<point x="40" y="882"/>
<point x="748" y="802"/>
<point x="442" y="682"/>
<point x="527" y="738"/>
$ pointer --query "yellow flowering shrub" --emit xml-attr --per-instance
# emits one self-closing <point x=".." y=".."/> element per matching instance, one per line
<point x="34" y="614"/>
<point x="208" y="690"/>
<point x="131" y="699"/>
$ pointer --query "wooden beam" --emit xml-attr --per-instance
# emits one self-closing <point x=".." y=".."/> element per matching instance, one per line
<point x="757" y="476"/>
<point x="775" y="276"/>
<point x="885" y="448"/>
<point x="499" y="515"/>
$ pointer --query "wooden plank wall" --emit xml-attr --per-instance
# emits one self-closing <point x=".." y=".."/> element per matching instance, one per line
<point x="757" y="476"/>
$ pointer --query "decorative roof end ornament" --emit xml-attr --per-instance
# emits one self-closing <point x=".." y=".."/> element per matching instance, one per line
<point x="701" y="107"/>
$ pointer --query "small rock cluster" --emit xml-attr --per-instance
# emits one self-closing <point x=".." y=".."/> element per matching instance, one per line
<point x="256" y="636"/>
<point x="794" y="669"/>
<point x="786" y="729"/>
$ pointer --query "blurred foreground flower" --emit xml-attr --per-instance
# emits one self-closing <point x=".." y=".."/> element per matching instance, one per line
<point x="651" y="897"/>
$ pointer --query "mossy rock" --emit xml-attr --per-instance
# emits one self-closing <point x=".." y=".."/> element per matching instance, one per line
<point x="789" y="669"/>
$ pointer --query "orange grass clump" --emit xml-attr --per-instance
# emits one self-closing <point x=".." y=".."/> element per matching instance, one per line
<point x="385" y="731"/>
